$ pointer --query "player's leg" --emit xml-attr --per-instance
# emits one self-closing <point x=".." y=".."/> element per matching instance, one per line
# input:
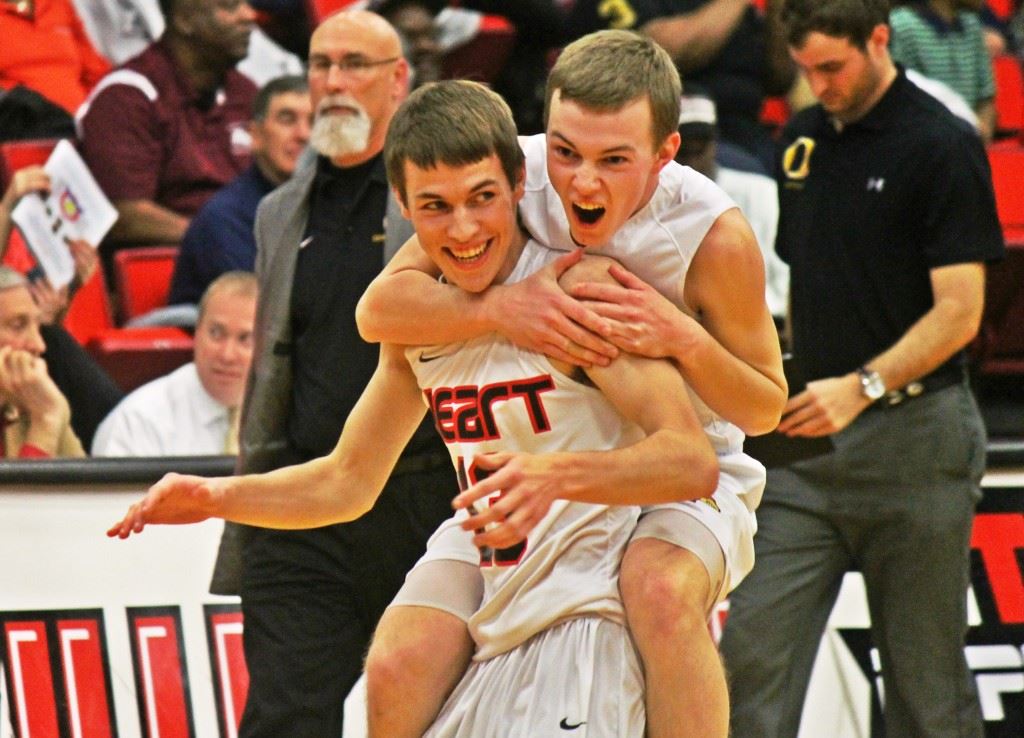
<point x="417" y="657"/>
<point x="422" y="646"/>
<point x="666" y="591"/>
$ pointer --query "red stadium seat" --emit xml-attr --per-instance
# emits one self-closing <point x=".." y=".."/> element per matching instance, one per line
<point x="134" y="356"/>
<point x="89" y="314"/>
<point x="320" y="9"/>
<point x="15" y="155"/>
<point x="1007" y="163"/>
<point x="142" y="278"/>
<point x="1009" y="94"/>
<point x="483" y="57"/>
<point x="999" y="348"/>
<point x="1002" y="9"/>
<point x="774" y="112"/>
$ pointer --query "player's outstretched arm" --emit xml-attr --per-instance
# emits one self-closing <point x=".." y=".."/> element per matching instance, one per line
<point x="675" y="461"/>
<point x="335" y="488"/>
<point x="407" y="304"/>
<point x="729" y="351"/>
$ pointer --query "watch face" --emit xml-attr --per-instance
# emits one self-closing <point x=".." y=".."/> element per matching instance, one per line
<point x="872" y="385"/>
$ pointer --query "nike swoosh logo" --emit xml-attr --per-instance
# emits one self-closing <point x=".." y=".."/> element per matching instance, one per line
<point x="564" y="725"/>
<point x="424" y="358"/>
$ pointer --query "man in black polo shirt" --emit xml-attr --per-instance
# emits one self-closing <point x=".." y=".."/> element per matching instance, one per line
<point x="311" y="598"/>
<point x="887" y="218"/>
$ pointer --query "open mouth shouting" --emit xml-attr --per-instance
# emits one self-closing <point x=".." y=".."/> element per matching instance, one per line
<point x="587" y="213"/>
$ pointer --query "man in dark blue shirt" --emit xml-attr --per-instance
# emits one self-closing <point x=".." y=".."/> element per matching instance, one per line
<point x="220" y="237"/>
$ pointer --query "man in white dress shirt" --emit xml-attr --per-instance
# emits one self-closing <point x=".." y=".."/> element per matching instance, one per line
<point x="193" y="411"/>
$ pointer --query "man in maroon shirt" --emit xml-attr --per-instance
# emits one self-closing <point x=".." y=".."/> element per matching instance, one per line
<point x="165" y="130"/>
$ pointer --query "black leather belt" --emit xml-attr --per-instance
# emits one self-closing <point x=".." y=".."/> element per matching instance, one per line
<point x="417" y="463"/>
<point x="930" y="383"/>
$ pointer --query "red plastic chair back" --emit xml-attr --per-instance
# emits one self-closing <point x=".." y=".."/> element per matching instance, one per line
<point x="1009" y="80"/>
<point x="15" y="155"/>
<point x="89" y="314"/>
<point x="1008" y="180"/>
<point x="320" y="9"/>
<point x="143" y="278"/>
<point x="134" y="356"/>
<point x="1002" y="9"/>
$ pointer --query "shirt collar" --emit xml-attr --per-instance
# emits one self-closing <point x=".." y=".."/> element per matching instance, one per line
<point x="373" y="167"/>
<point x="209" y="411"/>
<point x="882" y="114"/>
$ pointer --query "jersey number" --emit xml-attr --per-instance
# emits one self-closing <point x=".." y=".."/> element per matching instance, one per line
<point x="488" y="556"/>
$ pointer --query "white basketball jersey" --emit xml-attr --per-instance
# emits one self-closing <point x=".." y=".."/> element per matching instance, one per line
<point x="488" y="395"/>
<point x="657" y="243"/>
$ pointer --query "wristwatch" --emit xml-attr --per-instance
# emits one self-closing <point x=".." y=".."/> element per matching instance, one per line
<point x="871" y="384"/>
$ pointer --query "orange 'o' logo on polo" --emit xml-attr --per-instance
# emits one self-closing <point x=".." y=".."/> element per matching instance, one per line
<point x="796" y="162"/>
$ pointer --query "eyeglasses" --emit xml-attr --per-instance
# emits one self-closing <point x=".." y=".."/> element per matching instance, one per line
<point x="353" y="66"/>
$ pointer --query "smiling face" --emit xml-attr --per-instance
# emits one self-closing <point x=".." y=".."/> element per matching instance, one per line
<point x="465" y="218"/>
<point x="603" y="164"/>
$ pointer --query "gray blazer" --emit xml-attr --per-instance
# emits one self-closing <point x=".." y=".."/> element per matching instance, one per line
<point x="280" y="225"/>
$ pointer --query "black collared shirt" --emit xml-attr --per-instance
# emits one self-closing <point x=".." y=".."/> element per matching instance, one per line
<point x="343" y="252"/>
<point x="866" y="211"/>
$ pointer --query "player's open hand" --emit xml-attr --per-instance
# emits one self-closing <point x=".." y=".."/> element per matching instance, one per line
<point x="177" y="499"/>
<point x="536" y="314"/>
<point x="519" y="489"/>
<point x="642" y="320"/>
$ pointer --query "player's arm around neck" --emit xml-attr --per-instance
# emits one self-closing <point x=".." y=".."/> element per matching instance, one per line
<point x="406" y="304"/>
<point x="731" y="357"/>
<point x="335" y="488"/>
<point x="675" y="461"/>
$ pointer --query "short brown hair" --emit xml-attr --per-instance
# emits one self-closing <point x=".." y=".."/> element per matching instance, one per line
<point x="452" y="122"/>
<point x="607" y="70"/>
<point x="853" y="20"/>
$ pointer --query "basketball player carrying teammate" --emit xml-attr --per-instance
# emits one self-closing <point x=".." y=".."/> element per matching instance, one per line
<point x="603" y="177"/>
<point x="552" y="650"/>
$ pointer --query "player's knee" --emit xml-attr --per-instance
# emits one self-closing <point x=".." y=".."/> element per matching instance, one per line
<point x="666" y="599"/>
<point x="392" y="662"/>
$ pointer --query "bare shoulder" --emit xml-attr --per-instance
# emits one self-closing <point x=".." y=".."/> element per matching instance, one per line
<point x="727" y="259"/>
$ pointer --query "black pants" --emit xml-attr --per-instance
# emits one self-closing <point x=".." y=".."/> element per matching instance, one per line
<point x="311" y="600"/>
